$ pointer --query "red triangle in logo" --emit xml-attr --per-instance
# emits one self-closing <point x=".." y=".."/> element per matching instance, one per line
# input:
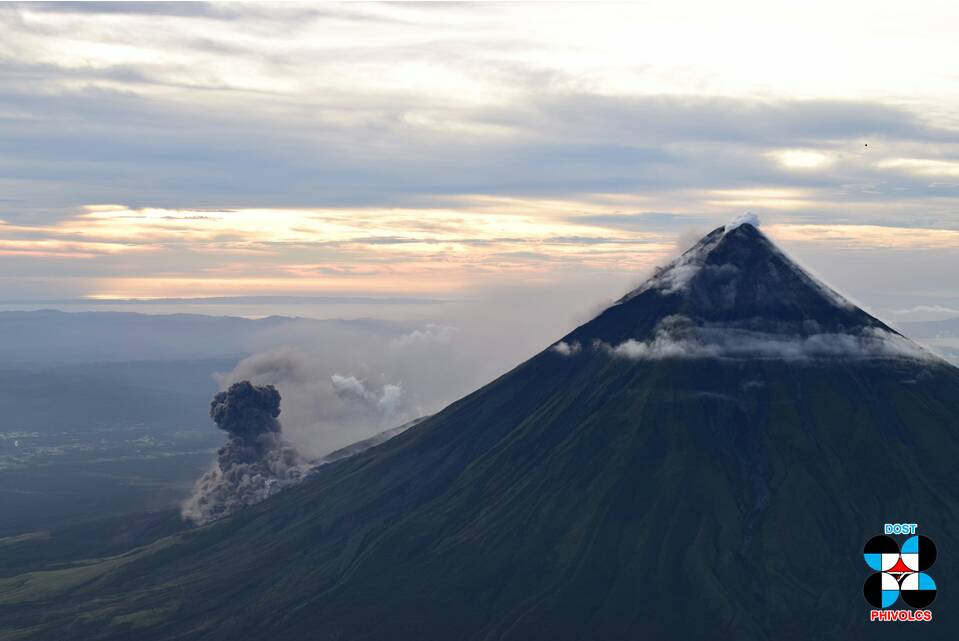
<point x="899" y="568"/>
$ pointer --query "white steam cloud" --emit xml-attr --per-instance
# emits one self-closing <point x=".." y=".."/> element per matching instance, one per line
<point x="387" y="401"/>
<point x="676" y="337"/>
<point x="747" y="218"/>
<point x="429" y="333"/>
<point x="676" y="276"/>
<point x="567" y="349"/>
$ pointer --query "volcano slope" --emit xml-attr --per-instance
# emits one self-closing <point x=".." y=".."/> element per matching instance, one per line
<point x="703" y="460"/>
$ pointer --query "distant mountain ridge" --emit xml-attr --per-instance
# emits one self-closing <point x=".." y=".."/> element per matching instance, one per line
<point x="946" y="328"/>
<point x="40" y="337"/>
<point x="231" y="300"/>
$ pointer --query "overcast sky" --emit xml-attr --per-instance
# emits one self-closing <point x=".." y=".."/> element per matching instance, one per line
<point x="155" y="150"/>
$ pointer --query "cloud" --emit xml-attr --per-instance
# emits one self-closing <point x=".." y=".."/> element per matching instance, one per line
<point x="872" y="236"/>
<point x="641" y="221"/>
<point x="675" y="276"/>
<point x="188" y="9"/>
<point x="567" y="349"/>
<point x="748" y="218"/>
<point x="99" y="105"/>
<point x="429" y="333"/>
<point x="676" y="338"/>
<point x="146" y="132"/>
<point x="351" y="388"/>
<point x="388" y="401"/>
<point x="929" y="309"/>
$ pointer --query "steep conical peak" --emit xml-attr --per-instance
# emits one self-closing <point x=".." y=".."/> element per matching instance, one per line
<point x="734" y="294"/>
<point x="716" y="268"/>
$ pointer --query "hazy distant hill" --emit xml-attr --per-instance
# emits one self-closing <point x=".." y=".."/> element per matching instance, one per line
<point x="44" y="337"/>
<point x="948" y="328"/>
<point x="942" y="335"/>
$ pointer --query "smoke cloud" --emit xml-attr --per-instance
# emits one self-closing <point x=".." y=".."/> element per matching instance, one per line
<point x="255" y="463"/>
<point x="333" y="399"/>
<point x="347" y="381"/>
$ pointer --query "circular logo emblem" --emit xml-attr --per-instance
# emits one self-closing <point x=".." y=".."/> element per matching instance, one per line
<point x="899" y="572"/>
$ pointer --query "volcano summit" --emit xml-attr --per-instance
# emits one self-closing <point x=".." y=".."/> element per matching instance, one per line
<point x="735" y="295"/>
<point x="703" y="460"/>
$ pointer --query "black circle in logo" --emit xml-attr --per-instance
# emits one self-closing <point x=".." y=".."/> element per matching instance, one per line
<point x="918" y="590"/>
<point x="918" y="553"/>
<point x="881" y="545"/>
<point x="881" y="553"/>
<point x="881" y="590"/>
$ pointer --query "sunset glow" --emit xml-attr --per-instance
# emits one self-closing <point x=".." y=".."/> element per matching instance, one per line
<point x="384" y="149"/>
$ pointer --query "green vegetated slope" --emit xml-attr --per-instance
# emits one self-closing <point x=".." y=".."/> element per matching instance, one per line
<point x="667" y="504"/>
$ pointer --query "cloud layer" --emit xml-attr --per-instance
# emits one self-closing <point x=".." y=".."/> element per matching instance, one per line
<point x="738" y="344"/>
<point x="588" y="143"/>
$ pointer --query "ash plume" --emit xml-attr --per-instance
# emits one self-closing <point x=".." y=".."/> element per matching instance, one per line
<point x="256" y="461"/>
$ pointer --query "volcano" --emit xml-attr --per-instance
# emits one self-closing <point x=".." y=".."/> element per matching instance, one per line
<point x="703" y="460"/>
